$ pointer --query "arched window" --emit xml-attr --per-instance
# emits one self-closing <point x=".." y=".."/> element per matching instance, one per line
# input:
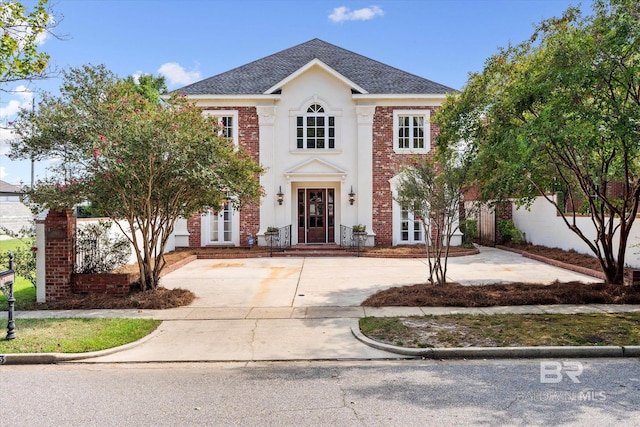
<point x="316" y="129"/>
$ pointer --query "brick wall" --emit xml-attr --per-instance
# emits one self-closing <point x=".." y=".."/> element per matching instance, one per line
<point x="60" y="233"/>
<point x="386" y="165"/>
<point x="249" y="139"/>
<point x="101" y="283"/>
<point x="194" y="227"/>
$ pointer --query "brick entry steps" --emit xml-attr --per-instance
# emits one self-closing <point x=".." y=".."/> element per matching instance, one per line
<point x="316" y="250"/>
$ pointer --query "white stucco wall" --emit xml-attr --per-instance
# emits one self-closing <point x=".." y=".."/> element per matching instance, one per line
<point x="295" y="169"/>
<point x="543" y="227"/>
<point x="116" y="231"/>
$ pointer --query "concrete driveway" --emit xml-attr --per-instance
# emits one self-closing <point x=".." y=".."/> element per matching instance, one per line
<point x="342" y="281"/>
<point x="300" y="308"/>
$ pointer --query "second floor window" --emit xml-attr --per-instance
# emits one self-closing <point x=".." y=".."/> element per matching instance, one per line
<point x="227" y="126"/>
<point x="411" y="131"/>
<point x="316" y="129"/>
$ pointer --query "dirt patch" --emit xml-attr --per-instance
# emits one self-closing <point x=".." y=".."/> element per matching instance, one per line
<point x="456" y="295"/>
<point x="160" y="298"/>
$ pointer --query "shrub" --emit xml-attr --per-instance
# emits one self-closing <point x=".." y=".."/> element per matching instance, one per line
<point x="508" y="231"/>
<point x="469" y="230"/>
<point x="24" y="262"/>
<point x="99" y="252"/>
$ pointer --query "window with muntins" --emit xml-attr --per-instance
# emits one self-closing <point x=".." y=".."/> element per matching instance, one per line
<point x="221" y="227"/>
<point x="410" y="227"/>
<point x="227" y="126"/>
<point x="411" y="131"/>
<point x="316" y="129"/>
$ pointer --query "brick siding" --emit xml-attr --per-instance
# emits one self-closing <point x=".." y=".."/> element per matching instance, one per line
<point x="60" y="233"/>
<point x="386" y="165"/>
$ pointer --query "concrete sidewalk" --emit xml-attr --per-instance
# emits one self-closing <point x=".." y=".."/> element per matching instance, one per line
<point x="305" y="308"/>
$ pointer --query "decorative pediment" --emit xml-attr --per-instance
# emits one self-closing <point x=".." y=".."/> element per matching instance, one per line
<point x="315" y="63"/>
<point x="315" y="169"/>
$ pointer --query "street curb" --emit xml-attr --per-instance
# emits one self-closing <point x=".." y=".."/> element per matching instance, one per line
<point x="54" y="358"/>
<point x="501" y="352"/>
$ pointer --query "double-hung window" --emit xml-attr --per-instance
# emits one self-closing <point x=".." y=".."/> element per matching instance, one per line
<point x="227" y="123"/>
<point x="315" y="129"/>
<point x="411" y="131"/>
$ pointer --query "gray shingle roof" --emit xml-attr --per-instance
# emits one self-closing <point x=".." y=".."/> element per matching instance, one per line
<point x="258" y="76"/>
<point x="7" y="189"/>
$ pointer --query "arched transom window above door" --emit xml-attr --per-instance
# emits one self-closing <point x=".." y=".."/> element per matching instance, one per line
<point x="316" y="130"/>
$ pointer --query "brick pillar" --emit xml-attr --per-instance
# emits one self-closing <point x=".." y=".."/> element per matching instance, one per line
<point x="194" y="227"/>
<point x="60" y="233"/>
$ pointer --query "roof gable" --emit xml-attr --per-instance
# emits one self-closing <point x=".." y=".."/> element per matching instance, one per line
<point x="314" y="63"/>
<point x="264" y="76"/>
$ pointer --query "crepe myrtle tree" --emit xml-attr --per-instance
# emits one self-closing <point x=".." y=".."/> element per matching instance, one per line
<point x="135" y="158"/>
<point x="561" y="112"/>
<point x="431" y="190"/>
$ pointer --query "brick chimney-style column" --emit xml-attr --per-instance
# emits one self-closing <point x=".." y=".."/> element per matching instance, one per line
<point x="60" y="233"/>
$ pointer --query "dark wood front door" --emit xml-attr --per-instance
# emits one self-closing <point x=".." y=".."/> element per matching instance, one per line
<point x="315" y="215"/>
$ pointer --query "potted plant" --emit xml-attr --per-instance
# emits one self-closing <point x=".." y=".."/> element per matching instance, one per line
<point x="272" y="231"/>
<point x="359" y="229"/>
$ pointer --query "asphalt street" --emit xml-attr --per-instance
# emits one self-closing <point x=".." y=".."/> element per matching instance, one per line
<point x="362" y="393"/>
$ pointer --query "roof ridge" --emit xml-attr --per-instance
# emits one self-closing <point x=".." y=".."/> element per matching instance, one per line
<point x="263" y="73"/>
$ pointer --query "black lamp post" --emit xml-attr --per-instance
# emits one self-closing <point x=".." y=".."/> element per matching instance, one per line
<point x="7" y="278"/>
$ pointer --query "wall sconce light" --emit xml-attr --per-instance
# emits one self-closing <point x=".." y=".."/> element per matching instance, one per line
<point x="352" y="196"/>
<point x="280" y="195"/>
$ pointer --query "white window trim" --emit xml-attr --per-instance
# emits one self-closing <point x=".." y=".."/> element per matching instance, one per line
<point x="412" y="221"/>
<point x="396" y="218"/>
<point x="427" y="131"/>
<point x="232" y="113"/>
<point x="328" y="111"/>
<point x="235" y="230"/>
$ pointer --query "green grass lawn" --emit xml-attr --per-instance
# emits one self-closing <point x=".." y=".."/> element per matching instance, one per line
<point x="12" y="244"/>
<point x="505" y="330"/>
<point x="23" y="291"/>
<point x="73" y="335"/>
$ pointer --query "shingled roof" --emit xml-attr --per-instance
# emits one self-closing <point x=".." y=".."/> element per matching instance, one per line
<point x="259" y="76"/>
<point x="7" y="189"/>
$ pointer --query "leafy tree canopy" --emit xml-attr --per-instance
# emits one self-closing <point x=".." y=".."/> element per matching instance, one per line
<point x="132" y="157"/>
<point x="21" y="33"/>
<point x="561" y="112"/>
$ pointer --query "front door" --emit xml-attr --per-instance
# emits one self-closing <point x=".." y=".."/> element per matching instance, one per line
<point x="315" y="215"/>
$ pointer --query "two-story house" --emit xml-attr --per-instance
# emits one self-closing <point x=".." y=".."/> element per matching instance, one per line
<point x="333" y="129"/>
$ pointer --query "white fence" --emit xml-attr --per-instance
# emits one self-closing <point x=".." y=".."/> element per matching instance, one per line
<point x="542" y="226"/>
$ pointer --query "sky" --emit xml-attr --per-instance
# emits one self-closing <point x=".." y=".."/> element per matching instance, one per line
<point x="190" y="40"/>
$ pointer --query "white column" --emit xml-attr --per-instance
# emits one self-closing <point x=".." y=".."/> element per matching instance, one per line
<point x="266" y="122"/>
<point x="40" y="264"/>
<point x="363" y="186"/>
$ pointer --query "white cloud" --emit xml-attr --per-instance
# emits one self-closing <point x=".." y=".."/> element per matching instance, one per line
<point x="3" y="172"/>
<point x="343" y="13"/>
<point x="177" y="75"/>
<point x="22" y="98"/>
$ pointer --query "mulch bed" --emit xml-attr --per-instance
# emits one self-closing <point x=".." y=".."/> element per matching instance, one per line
<point x="420" y="295"/>
<point x="160" y="298"/>
<point x="568" y="257"/>
<point x="456" y="295"/>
